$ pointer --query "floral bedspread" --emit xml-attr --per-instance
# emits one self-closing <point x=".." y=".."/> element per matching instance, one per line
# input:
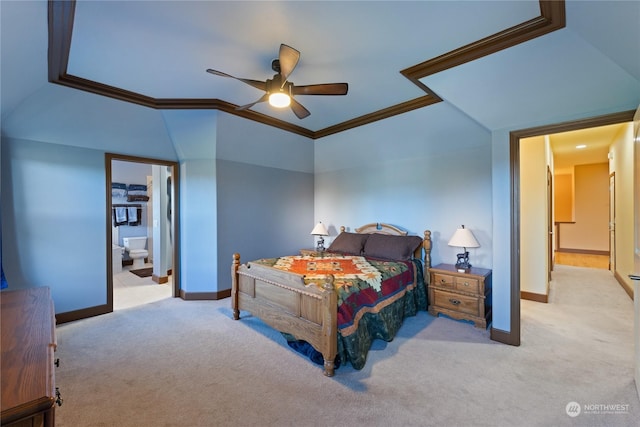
<point x="374" y="296"/>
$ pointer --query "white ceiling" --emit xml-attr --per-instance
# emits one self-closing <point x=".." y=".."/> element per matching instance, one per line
<point x="596" y="142"/>
<point x="161" y="49"/>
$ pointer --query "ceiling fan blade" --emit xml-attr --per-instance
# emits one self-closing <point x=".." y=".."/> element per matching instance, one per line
<point x="298" y="109"/>
<point x="255" y="83"/>
<point x="264" y="98"/>
<point x="322" y="89"/>
<point x="288" y="58"/>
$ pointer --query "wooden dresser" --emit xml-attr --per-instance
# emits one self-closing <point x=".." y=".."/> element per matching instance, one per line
<point x="461" y="295"/>
<point x="28" y="343"/>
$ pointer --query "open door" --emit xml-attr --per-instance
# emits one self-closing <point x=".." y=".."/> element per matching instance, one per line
<point x="636" y="275"/>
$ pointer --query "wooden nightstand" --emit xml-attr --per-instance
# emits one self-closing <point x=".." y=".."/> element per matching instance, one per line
<point x="463" y="296"/>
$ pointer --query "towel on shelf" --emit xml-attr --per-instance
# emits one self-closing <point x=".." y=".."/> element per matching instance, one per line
<point x="134" y="215"/>
<point x="120" y="216"/>
<point x="118" y="190"/>
<point x="137" y="190"/>
<point x="137" y="193"/>
<point x="137" y="198"/>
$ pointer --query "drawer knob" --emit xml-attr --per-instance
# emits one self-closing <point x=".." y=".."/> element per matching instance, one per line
<point x="443" y="281"/>
<point x="454" y="301"/>
<point x="466" y="283"/>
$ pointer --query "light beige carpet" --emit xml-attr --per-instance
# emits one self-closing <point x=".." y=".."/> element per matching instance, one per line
<point x="187" y="363"/>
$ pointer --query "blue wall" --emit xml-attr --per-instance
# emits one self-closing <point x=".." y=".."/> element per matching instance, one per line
<point x="54" y="183"/>
<point x="262" y="213"/>
<point x="265" y="192"/>
<point x="53" y="208"/>
<point x="428" y="169"/>
<point x="198" y="233"/>
<point x="53" y="205"/>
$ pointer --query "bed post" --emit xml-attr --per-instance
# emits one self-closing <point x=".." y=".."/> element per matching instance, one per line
<point x="234" y="286"/>
<point x="329" y="325"/>
<point x="426" y="244"/>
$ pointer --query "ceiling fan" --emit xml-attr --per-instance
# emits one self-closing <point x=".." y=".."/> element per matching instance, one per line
<point x="279" y="91"/>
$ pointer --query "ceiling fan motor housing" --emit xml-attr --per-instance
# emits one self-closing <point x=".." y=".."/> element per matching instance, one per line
<point x="277" y="85"/>
<point x="275" y="65"/>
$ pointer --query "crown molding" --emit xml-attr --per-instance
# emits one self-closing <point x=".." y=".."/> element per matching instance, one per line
<point x="61" y="16"/>
<point x="379" y="115"/>
<point x="552" y="18"/>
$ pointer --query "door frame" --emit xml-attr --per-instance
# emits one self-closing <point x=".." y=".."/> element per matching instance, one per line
<point x="550" y="222"/>
<point x="612" y="221"/>
<point x="513" y="336"/>
<point x="175" y="207"/>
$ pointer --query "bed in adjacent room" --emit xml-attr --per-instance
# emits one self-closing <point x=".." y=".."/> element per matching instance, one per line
<point x="338" y="301"/>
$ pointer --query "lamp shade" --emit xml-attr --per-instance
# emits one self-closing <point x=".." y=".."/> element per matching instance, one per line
<point x="319" y="230"/>
<point x="464" y="238"/>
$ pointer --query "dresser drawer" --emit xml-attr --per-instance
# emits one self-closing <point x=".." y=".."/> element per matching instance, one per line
<point x="466" y="284"/>
<point x="443" y="280"/>
<point x="460" y="303"/>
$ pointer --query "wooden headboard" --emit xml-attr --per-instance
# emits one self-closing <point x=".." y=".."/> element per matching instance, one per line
<point x="380" y="228"/>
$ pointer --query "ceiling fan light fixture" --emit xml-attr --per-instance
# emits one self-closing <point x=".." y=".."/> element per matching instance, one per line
<point x="279" y="100"/>
<point x="279" y="91"/>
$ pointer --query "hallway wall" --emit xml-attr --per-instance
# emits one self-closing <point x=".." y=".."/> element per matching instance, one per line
<point x="590" y="229"/>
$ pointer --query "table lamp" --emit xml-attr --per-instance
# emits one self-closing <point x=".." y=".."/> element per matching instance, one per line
<point x="463" y="238"/>
<point x="320" y="230"/>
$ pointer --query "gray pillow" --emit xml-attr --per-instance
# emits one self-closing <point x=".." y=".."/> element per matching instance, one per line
<point x="348" y="243"/>
<point x="390" y="247"/>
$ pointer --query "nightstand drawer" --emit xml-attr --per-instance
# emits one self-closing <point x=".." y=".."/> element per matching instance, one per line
<point x="466" y="284"/>
<point x="456" y="302"/>
<point x="443" y="280"/>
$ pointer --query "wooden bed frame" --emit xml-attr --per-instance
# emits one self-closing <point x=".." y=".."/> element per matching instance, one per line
<point x="283" y="301"/>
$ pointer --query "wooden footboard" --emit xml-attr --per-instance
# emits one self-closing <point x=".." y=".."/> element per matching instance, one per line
<point x="283" y="301"/>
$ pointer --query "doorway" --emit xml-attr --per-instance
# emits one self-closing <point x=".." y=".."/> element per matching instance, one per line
<point x="151" y="221"/>
<point x="514" y="335"/>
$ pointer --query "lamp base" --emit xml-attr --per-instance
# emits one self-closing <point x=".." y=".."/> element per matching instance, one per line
<point x="462" y="262"/>
<point x="320" y="246"/>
